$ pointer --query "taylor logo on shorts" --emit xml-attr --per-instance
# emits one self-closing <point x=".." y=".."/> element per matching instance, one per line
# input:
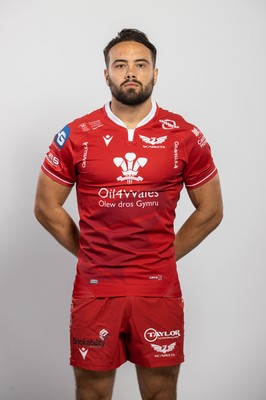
<point x="151" y="334"/>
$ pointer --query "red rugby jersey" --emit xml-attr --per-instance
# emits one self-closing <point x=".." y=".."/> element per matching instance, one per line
<point x="128" y="182"/>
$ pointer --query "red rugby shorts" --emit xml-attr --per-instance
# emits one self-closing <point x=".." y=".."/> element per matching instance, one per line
<point x="106" y="332"/>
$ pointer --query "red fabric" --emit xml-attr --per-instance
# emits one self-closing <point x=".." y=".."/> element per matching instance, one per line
<point x="128" y="183"/>
<point x="104" y="333"/>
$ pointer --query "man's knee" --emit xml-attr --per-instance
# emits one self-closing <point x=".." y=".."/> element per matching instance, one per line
<point x="94" y="385"/>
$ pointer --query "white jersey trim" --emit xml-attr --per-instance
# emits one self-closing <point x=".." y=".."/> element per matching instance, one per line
<point x="195" y="184"/>
<point x="118" y="121"/>
<point x="62" y="180"/>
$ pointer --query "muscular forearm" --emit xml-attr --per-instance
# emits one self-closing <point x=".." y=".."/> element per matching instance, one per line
<point x="196" y="228"/>
<point x="61" y="226"/>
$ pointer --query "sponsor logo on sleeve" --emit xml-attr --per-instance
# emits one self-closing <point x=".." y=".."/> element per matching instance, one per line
<point x="199" y="135"/>
<point x="53" y="160"/>
<point x="61" y="137"/>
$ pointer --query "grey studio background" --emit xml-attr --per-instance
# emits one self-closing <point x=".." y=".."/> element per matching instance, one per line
<point x="211" y="60"/>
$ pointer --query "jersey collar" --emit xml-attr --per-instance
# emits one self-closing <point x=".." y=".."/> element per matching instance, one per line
<point x="118" y="121"/>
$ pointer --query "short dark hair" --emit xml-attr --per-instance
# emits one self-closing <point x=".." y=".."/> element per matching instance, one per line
<point x="130" y="35"/>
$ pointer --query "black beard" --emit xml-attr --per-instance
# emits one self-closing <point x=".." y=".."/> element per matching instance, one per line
<point x="131" y="97"/>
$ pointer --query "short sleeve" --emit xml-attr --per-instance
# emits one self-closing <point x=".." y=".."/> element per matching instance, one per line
<point x="59" y="161"/>
<point x="200" y="167"/>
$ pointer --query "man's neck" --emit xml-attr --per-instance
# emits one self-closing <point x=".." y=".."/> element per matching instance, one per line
<point x="131" y="115"/>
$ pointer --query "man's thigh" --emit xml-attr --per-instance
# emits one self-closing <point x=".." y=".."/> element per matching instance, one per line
<point x="158" y="383"/>
<point x="94" y="385"/>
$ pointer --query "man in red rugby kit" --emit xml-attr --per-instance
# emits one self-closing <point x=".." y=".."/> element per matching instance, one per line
<point x="129" y="161"/>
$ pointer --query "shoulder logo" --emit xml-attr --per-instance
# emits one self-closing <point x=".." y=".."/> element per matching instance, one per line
<point x="91" y="125"/>
<point x="130" y="166"/>
<point x="53" y="160"/>
<point x="199" y="135"/>
<point x="62" y="136"/>
<point x="153" y="140"/>
<point x="168" y="124"/>
<point x="84" y="127"/>
<point x="107" y="139"/>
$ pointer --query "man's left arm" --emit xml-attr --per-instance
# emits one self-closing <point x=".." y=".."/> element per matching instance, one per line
<point x="207" y="200"/>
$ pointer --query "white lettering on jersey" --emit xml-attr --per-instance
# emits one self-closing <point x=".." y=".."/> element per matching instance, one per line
<point x="85" y="152"/>
<point x="176" y="144"/>
<point x="201" y="138"/>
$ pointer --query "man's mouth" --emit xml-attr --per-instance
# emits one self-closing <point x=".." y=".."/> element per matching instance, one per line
<point x="131" y="84"/>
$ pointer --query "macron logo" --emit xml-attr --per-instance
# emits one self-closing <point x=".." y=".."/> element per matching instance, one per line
<point x="83" y="352"/>
<point x="107" y="139"/>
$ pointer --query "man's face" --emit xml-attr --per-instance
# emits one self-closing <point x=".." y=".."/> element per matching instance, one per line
<point x="130" y="73"/>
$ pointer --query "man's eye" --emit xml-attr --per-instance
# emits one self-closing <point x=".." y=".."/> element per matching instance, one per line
<point x="141" y="65"/>
<point x="120" y="65"/>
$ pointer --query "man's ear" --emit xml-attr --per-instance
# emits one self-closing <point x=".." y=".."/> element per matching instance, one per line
<point x="106" y="75"/>
<point x="155" y="75"/>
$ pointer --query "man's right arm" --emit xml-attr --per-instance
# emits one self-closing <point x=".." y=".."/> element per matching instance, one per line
<point x="49" y="211"/>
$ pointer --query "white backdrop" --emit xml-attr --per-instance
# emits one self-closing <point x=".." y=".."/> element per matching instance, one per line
<point x="212" y="71"/>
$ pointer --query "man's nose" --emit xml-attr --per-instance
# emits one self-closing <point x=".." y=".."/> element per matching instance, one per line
<point x="130" y="73"/>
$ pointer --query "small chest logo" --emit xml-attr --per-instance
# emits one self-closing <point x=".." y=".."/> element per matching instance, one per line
<point x="130" y="167"/>
<point x="107" y="139"/>
<point x="168" y="124"/>
<point x="153" y="140"/>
